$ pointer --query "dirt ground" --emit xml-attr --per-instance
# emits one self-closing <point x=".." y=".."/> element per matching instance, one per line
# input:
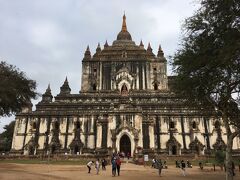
<point x="10" y="171"/>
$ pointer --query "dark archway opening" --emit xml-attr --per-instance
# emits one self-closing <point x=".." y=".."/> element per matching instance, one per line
<point x="217" y="125"/>
<point x="76" y="149"/>
<point x="155" y="86"/>
<point x="124" y="90"/>
<point x="94" y="87"/>
<point x="174" y="150"/>
<point x="34" y="126"/>
<point x="53" y="149"/>
<point x="172" y="125"/>
<point x="31" y="150"/>
<point x="56" y="125"/>
<point x="78" y="125"/>
<point x="194" y="125"/>
<point x="197" y="149"/>
<point x="125" y="144"/>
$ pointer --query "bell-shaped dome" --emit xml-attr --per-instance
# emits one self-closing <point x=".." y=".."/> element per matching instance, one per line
<point x="124" y="34"/>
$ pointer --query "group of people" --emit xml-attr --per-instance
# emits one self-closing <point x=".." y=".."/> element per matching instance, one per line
<point x="116" y="165"/>
<point x="97" y="165"/>
<point x="123" y="155"/>
<point x="115" y="161"/>
<point x="158" y="164"/>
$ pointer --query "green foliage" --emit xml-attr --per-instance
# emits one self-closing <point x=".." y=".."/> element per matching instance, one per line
<point x="6" y="137"/>
<point x="220" y="157"/>
<point x="16" y="90"/>
<point x="208" y="63"/>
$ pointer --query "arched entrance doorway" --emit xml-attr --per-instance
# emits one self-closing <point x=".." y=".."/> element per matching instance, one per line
<point x="174" y="150"/>
<point x="125" y="144"/>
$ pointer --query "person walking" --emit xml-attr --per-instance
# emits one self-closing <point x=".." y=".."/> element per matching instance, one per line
<point x="183" y="166"/>
<point x="89" y="164"/>
<point x="159" y="166"/>
<point x="128" y="155"/>
<point x="97" y="166"/>
<point x="114" y="166"/>
<point x="118" y="162"/>
<point x="104" y="162"/>
<point x="153" y="163"/>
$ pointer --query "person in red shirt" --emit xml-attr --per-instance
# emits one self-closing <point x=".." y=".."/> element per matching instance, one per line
<point x="118" y="162"/>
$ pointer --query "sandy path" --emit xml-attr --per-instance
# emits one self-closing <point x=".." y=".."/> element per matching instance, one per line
<point x="129" y="172"/>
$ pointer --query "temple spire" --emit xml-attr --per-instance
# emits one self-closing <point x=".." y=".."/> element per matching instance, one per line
<point x="124" y="34"/>
<point x="149" y="47"/>
<point x="47" y="96"/>
<point x="106" y="44"/>
<point x="160" y="52"/>
<point x="87" y="53"/>
<point x="98" y="48"/>
<point x="48" y="88"/>
<point x="66" y="80"/>
<point x="141" y="44"/>
<point x="65" y="89"/>
<point x="124" y="24"/>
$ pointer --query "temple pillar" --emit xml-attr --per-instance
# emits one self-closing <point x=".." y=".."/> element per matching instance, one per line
<point x="100" y="77"/>
<point x="137" y="78"/>
<point x="151" y="135"/>
<point x="91" y="143"/>
<point x="99" y="135"/>
<point x="143" y="77"/>
<point x="145" y="131"/>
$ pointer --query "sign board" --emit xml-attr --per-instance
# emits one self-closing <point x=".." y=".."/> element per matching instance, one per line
<point x="145" y="157"/>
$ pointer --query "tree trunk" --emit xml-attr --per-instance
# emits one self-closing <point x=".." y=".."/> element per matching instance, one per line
<point x="230" y="136"/>
<point x="229" y="171"/>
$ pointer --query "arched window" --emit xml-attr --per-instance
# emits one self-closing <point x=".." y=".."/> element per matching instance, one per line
<point x="56" y="125"/>
<point x="124" y="90"/>
<point x="172" y="125"/>
<point x="94" y="87"/>
<point x="217" y="124"/>
<point x="78" y="125"/>
<point x="194" y="125"/>
<point x="34" y="126"/>
<point x="155" y="86"/>
<point x="174" y="150"/>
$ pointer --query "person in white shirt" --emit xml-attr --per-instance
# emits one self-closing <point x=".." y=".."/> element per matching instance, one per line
<point x="89" y="164"/>
<point x="97" y="166"/>
<point x="153" y="163"/>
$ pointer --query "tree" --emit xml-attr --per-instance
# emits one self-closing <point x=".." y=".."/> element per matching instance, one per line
<point x="6" y="137"/>
<point x="16" y="90"/>
<point x="208" y="64"/>
<point x="219" y="158"/>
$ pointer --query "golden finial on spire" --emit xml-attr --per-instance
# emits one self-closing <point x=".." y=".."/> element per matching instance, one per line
<point x="124" y="25"/>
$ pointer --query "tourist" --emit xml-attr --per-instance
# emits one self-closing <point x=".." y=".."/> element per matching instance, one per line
<point x="89" y="164"/>
<point x="153" y="163"/>
<point x="177" y="164"/>
<point x="200" y="165"/>
<point x="104" y="163"/>
<point x="114" y="166"/>
<point x="97" y="166"/>
<point x="189" y="165"/>
<point x="165" y="165"/>
<point x="183" y="166"/>
<point x="118" y="162"/>
<point x="128" y="155"/>
<point x="159" y="166"/>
